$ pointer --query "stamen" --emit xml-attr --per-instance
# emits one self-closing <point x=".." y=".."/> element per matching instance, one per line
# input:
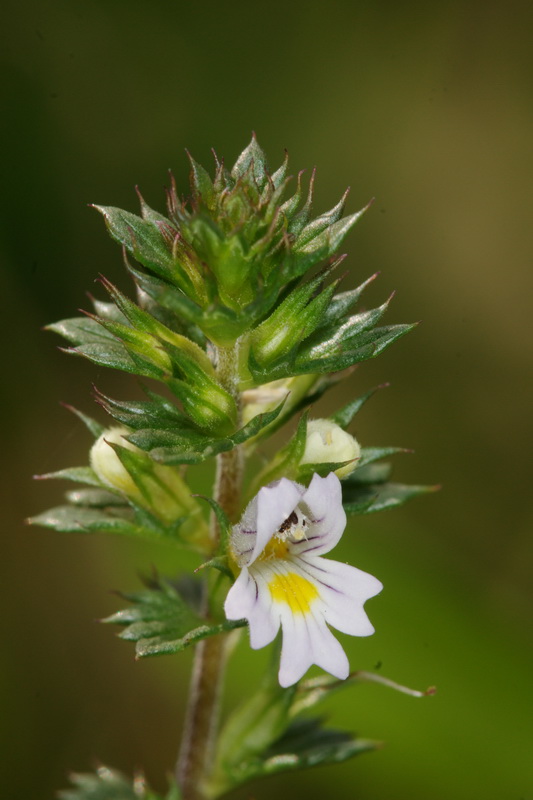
<point x="293" y="528"/>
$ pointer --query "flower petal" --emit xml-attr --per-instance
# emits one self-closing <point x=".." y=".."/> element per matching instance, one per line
<point x="307" y="641"/>
<point x="322" y="502"/>
<point x="241" y="597"/>
<point x="274" y="504"/>
<point x="343" y="592"/>
<point x="250" y="599"/>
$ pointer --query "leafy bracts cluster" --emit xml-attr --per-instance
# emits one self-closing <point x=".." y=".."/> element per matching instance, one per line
<point x="237" y="327"/>
<point x="228" y="265"/>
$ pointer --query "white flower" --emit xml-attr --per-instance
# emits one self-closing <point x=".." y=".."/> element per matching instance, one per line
<point x="284" y="580"/>
<point x="328" y="442"/>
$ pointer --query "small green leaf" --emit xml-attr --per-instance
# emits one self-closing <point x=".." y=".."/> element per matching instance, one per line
<point x="367" y="499"/>
<point x="109" y="784"/>
<point x="323" y="468"/>
<point x="77" y="474"/>
<point x="142" y="238"/>
<point x="91" y="424"/>
<point x="371" y="454"/>
<point x="80" y="519"/>
<point x="158" y="413"/>
<point x="160" y="621"/>
<point x="257" y="424"/>
<point x="368" y="344"/>
<point x="223" y="523"/>
<point x="81" y="330"/>
<point x="157" y="646"/>
<point x="253" y="726"/>
<point x="252" y="157"/>
<point x="343" y="302"/>
<point x="320" y="224"/>
<point x="201" y="183"/>
<point x="304" y="744"/>
<point x="109" y="354"/>
<point x="189" y="446"/>
<point x="286" y="462"/>
<point x="345" y="415"/>
<point x="219" y="563"/>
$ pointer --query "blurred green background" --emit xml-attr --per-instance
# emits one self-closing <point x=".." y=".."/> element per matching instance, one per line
<point x="427" y="108"/>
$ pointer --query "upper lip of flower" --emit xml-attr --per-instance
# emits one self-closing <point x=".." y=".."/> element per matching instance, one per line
<point x="268" y="513"/>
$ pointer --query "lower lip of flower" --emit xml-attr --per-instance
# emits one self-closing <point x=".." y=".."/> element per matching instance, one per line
<point x="293" y="590"/>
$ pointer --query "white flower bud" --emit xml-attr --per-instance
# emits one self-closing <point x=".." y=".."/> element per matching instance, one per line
<point x="269" y="395"/>
<point x="108" y="466"/>
<point x="158" y="488"/>
<point x="328" y="442"/>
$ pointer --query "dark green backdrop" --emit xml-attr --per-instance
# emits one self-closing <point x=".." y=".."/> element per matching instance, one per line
<point x="427" y="107"/>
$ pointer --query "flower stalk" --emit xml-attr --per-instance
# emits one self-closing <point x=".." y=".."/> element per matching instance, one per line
<point x="201" y="722"/>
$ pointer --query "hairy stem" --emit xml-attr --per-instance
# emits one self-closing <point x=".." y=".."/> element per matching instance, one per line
<point x="201" y="722"/>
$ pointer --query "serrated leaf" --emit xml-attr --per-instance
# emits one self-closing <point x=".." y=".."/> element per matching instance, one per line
<point x="91" y="424"/>
<point x="254" y="725"/>
<point x="367" y="499"/>
<point x="345" y="415"/>
<point x="320" y="224"/>
<point x="77" y="474"/>
<point x="286" y="462"/>
<point x="188" y="446"/>
<point x="107" y="311"/>
<point x="80" y="519"/>
<point x="157" y="646"/>
<point x="331" y="340"/>
<point x="252" y="157"/>
<point x="371" y="454"/>
<point x="224" y="526"/>
<point x="160" y="621"/>
<point x="305" y="744"/>
<point x="257" y="424"/>
<point x="368" y="344"/>
<point x="109" y="354"/>
<point x="123" y="520"/>
<point x="143" y="321"/>
<point x="140" y="237"/>
<point x="109" y="784"/>
<point x="343" y="302"/>
<point x="201" y="183"/>
<point x="81" y="330"/>
<point x="306" y="471"/>
<point x="158" y="413"/>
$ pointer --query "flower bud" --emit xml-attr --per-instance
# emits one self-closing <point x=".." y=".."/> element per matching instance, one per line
<point x="269" y="395"/>
<point x="108" y="466"/>
<point x="327" y="442"/>
<point x="156" y="487"/>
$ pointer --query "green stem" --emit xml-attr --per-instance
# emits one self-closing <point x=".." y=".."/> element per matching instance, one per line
<point x="201" y="722"/>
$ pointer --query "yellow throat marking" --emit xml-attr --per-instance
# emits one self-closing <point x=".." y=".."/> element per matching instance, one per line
<point x="297" y="592"/>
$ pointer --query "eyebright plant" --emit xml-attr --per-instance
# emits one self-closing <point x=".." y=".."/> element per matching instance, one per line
<point x="238" y="327"/>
